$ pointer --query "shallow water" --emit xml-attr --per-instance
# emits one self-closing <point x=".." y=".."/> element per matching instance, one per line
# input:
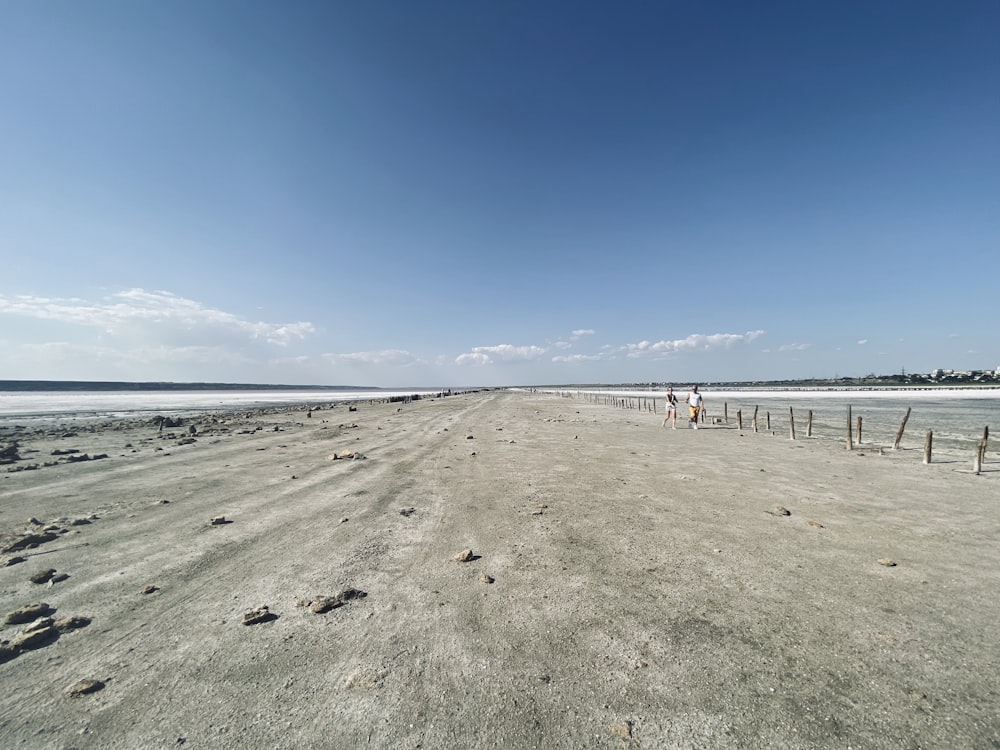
<point x="29" y="408"/>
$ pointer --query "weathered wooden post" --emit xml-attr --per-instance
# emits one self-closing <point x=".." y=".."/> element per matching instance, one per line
<point x="767" y="414"/>
<point x="739" y="419"/>
<point x="755" y="418"/>
<point x="791" y="424"/>
<point x="725" y="411"/>
<point x="850" y="436"/>
<point x="809" y="424"/>
<point x="859" y="431"/>
<point x="977" y="465"/>
<point x="928" y="441"/>
<point x="899" y="432"/>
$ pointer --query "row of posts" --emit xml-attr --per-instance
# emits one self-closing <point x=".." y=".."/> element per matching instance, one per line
<point x="853" y="427"/>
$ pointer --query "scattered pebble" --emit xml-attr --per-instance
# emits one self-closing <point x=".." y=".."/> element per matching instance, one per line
<point x="622" y="730"/>
<point x="345" y="519"/>
<point x="322" y="603"/>
<point x="484" y="578"/>
<point x="42" y="576"/>
<point x="355" y="455"/>
<point x="150" y="589"/>
<point x="816" y="524"/>
<point x="782" y="511"/>
<point x="218" y="520"/>
<point x="37" y="635"/>
<point x="27" y="613"/>
<point x="259" y="615"/>
<point x="84" y="687"/>
<point x="464" y="556"/>
<point x="887" y="562"/>
<point x="407" y="511"/>
<point x="73" y="622"/>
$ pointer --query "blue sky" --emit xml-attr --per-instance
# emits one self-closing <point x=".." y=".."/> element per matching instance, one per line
<point x="497" y="193"/>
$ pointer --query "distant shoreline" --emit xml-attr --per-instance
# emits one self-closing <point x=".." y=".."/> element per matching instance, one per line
<point x="101" y="386"/>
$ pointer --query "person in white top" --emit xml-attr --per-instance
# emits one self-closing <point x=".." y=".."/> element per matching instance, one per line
<point x="695" y="404"/>
<point x="671" y="408"/>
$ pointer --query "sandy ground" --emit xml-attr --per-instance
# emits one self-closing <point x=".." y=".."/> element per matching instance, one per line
<point x="630" y="586"/>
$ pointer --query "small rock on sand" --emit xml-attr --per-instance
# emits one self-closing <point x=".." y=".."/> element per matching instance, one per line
<point x="464" y="556"/>
<point x="72" y="622"/>
<point x="42" y="576"/>
<point x="259" y="615"/>
<point x="34" y="637"/>
<point x="218" y="520"/>
<point x="322" y="603"/>
<point x="484" y="578"/>
<point x="84" y="687"/>
<point x="816" y="524"/>
<point x="622" y="730"/>
<point x="150" y="589"/>
<point x="27" y="613"/>
<point x="887" y="562"/>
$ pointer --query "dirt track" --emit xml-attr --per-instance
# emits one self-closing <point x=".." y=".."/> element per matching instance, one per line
<point x="646" y="593"/>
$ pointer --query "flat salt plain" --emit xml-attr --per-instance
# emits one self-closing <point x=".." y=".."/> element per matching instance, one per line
<point x="629" y="586"/>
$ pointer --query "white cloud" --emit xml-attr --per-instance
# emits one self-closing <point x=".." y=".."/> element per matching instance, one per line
<point x="397" y="357"/>
<point x="574" y="358"/>
<point x="501" y="353"/>
<point x="793" y="347"/>
<point x="473" y="358"/>
<point x="581" y="332"/>
<point x="562" y="345"/>
<point x="137" y="312"/>
<point x="862" y="342"/>
<point x="694" y="342"/>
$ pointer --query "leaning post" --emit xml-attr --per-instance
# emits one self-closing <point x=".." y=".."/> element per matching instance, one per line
<point x="850" y="435"/>
<point x="791" y="424"/>
<point x="899" y="432"/>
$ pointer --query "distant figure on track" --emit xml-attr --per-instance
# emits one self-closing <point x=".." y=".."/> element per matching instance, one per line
<point x="695" y="404"/>
<point x="671" y="408"/>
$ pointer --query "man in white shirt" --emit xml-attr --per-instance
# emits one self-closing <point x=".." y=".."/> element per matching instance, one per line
<point x="695" y="404"/>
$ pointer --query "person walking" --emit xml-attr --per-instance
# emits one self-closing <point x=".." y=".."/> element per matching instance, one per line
<point x="695" y="404"/>
<point x="671" y="408"/>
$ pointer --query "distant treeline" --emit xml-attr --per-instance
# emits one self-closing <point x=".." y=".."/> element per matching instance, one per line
<point x="90" y="385"/>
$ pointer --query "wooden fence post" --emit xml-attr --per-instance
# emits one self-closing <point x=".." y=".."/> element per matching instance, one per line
<point x="899" y="433"/>
<point x="725" y="411"/>
<point x="928" y="441"/>
<point x="977" y="465"/>
<point x="768" y="415"/>
<point x="739" y="419"/>
<point x="850" y="436"/>
<point x="859" y="431"/>
<point x="791" y="424"/>
<point x="809" y="424"/>
<point x="755" y="418"/>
